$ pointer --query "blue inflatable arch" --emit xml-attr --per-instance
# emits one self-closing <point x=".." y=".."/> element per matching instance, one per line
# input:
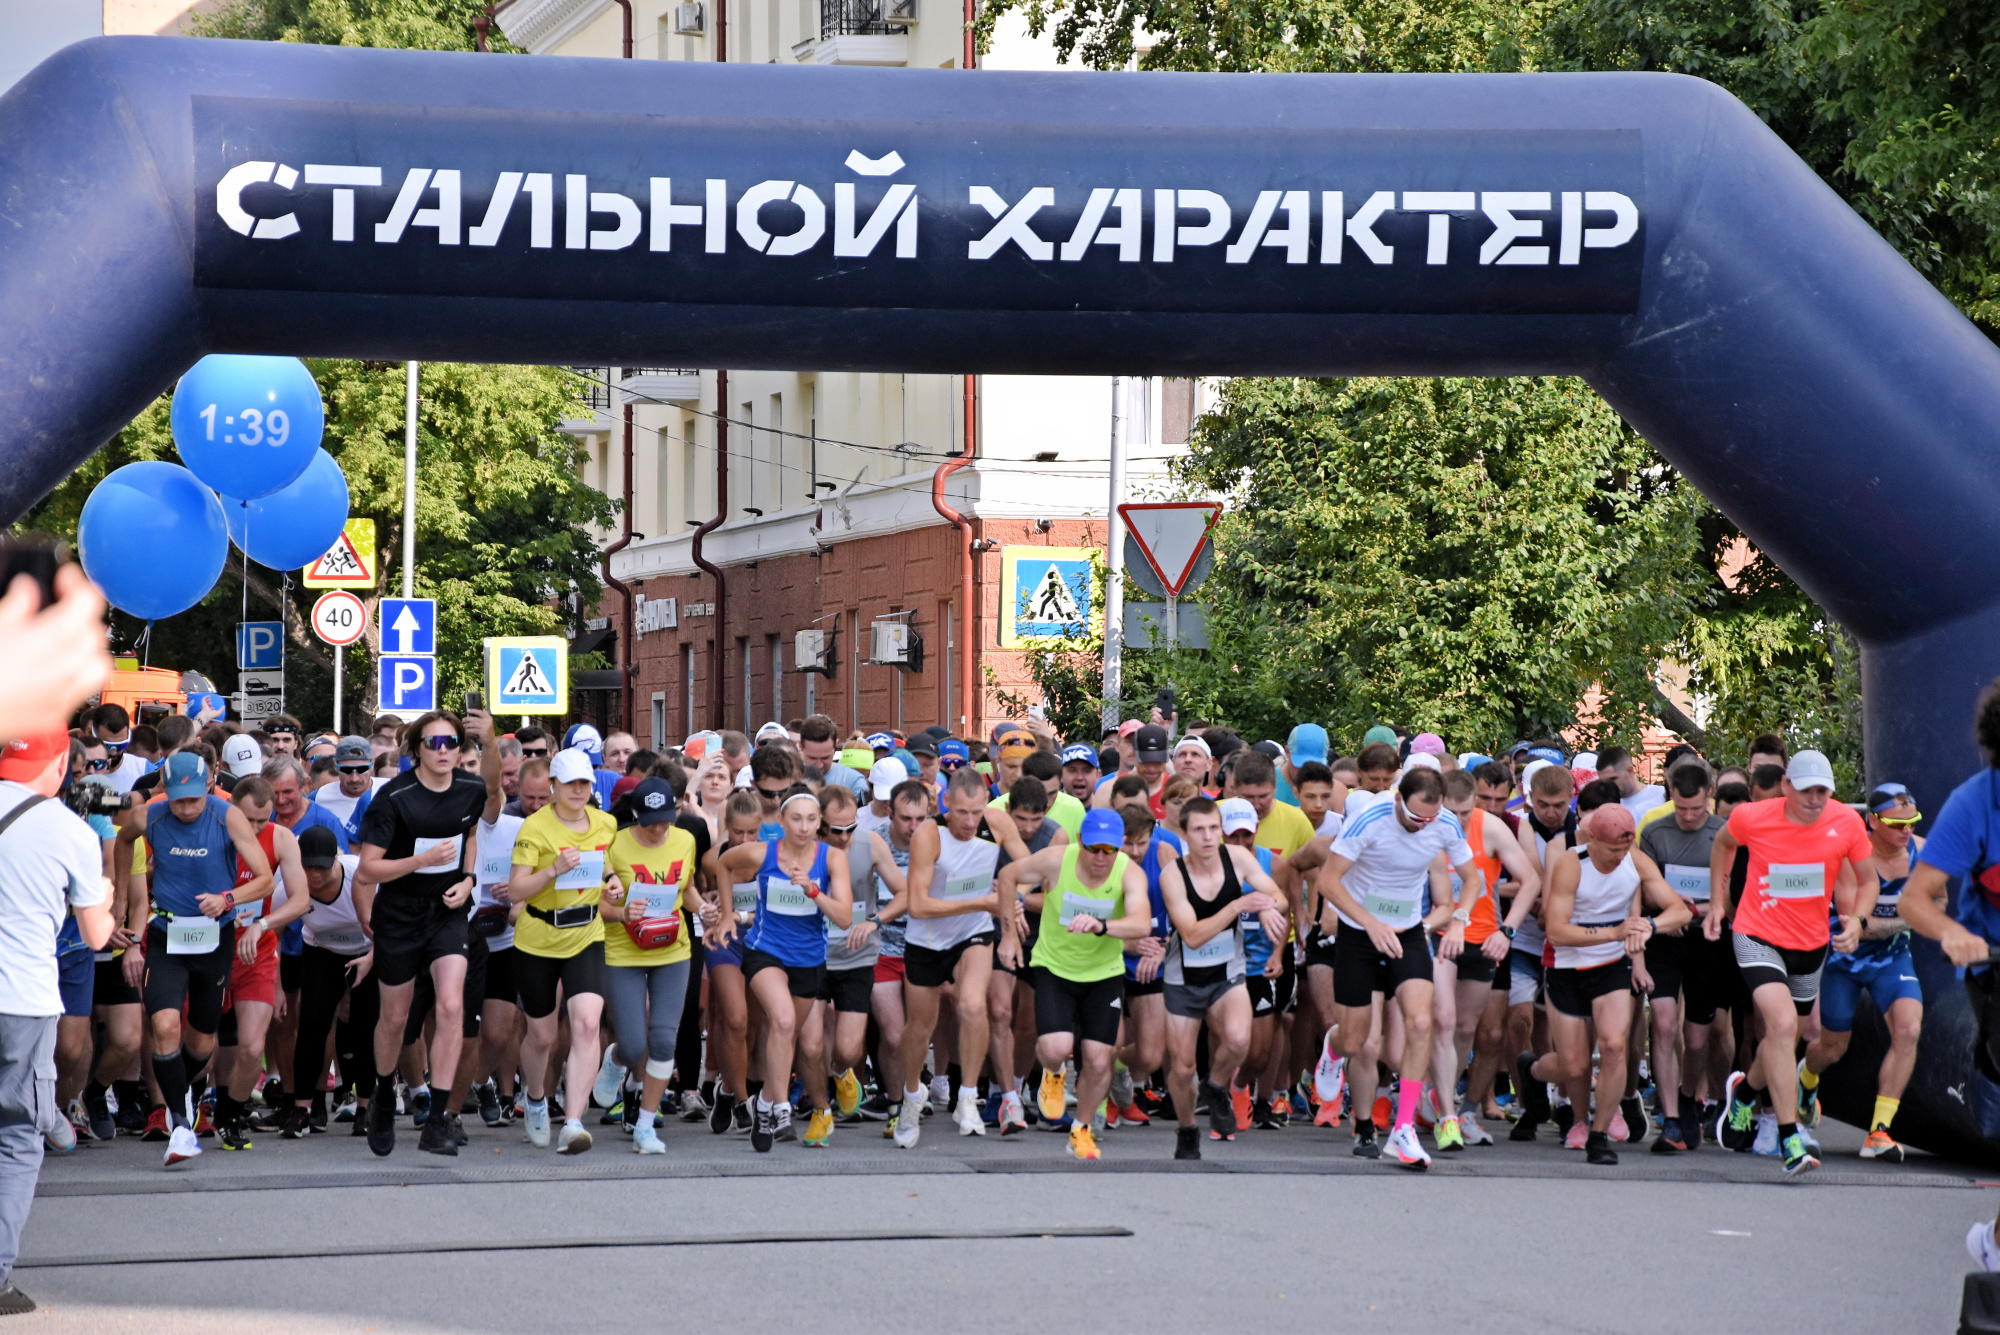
<point x="165" y="198"/>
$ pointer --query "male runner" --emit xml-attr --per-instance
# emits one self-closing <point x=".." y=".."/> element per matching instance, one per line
<point x="1079" y="772"/>
<point x="1797" y="845"/>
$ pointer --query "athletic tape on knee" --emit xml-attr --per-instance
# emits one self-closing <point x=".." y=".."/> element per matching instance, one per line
<point x="659" y="1070"/>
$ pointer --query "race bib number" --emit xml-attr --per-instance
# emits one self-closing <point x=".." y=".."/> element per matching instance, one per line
<point x="788" y="898"/>
<point x="495" y="865"/>
<point x="645" y="902"/>
<point x="835" y="933"/>
<point x="247" y="913"/>
<point x="967" y="887"/>
<point x="743" y="897"/>
<point x="587" y="874"/>
<point x="424" y="846"/>
<point x="1218" y="949"/>
<point x="1389" y="909"/>
<point x="1796" y="880"/>
<point x="341" y="940"/>
<point x="1690" y="883"/>
<point x="1078" y="905"/>
<point x="193" y="936"/>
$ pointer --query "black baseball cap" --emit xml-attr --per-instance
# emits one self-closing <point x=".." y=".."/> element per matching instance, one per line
<point x="318" y="847"/>
<point x="652" y="802"/>
<point x="1151" y="745"/>
<point x="923" y="744"/>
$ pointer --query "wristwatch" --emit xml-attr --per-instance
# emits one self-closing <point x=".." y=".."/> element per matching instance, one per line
<point x="1506" y="931"/>
<point x="1462" y="916"/>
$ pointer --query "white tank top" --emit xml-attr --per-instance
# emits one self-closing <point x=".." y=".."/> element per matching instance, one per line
<point x="1602" y="898"/>
<point x="333" y="926"/>
<point x="964" y="871"/>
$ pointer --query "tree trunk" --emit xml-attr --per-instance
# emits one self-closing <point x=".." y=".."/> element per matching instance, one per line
<point x="1675" y="721"/>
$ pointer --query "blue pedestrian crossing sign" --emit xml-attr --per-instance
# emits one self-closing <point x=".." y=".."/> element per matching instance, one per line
<point x="409" y="625"/>
<point x="527" y="674"/>
<point x="406" y="683"/>
<point x="260" y="646"/>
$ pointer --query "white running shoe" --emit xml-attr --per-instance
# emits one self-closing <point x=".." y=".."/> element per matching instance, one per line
<point x="1013" y="1118"/>
<point x="537" y="1122"/>
<point x="645" y="1139"/>
<point x="970" y="1123"/>
<point x="1475" y="1134"/>
<point x="1330" y="1075"/>
<point x="1408" y="1153"/>
<point x="575" y="1140"/>
<point x="1985" y="1251"/>
<point x="1767" y="1135"/>
<point x="909" y="1123"/>
<point x="941" y="1091"/>
<point x="610" y="1075"/>
<point x="182" y="1145"/>
<point x="1812" y="1141"/>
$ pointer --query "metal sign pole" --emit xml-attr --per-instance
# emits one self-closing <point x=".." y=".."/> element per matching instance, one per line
<point x="339" y="653"/>
<point x="1173" y="623"/>
<point x="410" y="481"/>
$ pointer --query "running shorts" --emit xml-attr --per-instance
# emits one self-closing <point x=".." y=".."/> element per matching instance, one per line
<point x="472" y="995"/>
<point x="1572" y="990"/>
<point x="502" y="982"/>
<point x="412" y="932"/>
<point x="1524" y="979"/>
<point x="76" y="980"/>
<point x="888" y="968"/>
<point x="196" y="982"/>
<point x="730" y="956"/>
<point x="1271" y="996"/>
<point x="1319" y="950"/>
<point x="580" y="974"/>
<point x="1473" y="964"/>
<point x="1192" y="1001"/>
<point x="257" y="980"/>
<point x="111" y="989"/>
<point x="1135" y="988"/>
<point x="1360" y="971"/>
<point x="1090" y="1011"/>
<point x="851" y="991"/>
<point x="807" y="981"/>
<point x="1798" y="971"/>
<point x="924" y="967"/>
<point x="1710" y="980"/>
<point x="1887" y="979"/>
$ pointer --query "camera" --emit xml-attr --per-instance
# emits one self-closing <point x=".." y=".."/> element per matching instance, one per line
<point x="95" y="797"/>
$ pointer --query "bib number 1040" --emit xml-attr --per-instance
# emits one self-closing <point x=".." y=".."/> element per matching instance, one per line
<point x="256" y="426"/>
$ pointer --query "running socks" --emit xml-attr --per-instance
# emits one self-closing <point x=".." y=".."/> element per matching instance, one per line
<point x="1407" y="1094"/>
<point x="171" y="1072"/>
<point x="441" y="1100"/>
<point x="1808" y="1077"/>
<point x="1885" y="1113"/>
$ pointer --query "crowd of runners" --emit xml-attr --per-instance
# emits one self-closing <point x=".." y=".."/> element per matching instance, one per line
<point x="800" y="935"/>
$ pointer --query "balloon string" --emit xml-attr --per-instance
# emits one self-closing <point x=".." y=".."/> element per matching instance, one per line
<point x="147" y="641"/>
<point x="246" y="560"/>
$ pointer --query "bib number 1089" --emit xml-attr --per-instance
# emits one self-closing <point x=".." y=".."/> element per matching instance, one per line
<point x="258" y="427"/>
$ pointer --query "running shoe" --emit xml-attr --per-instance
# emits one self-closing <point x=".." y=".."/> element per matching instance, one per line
<point x="102" y="1125"/>
<point x="458" y="1135"/>
<point x="1082" y="1145"/>
<point x="382" y="1128"/>
<point x="1534" y="1093"/>
<point x="1121" y="1084"/>
<point x="1448" y="1135"/>
<point x="296" y="1124"/>
<point x="1766" y="1142"/>
<point x="877" y="1108"/>
<point x="1597" y="1149"/>
<point x="236" y="1136"/>
<point x="1563" y="1116"/>
<point x="1980" y="1243"/>
<point x="819" y="1129"/>
<point x="488" y="1096"/>
<point x="1408" y="1153"/>
<point x="131" y="1120"/>
<point x="60" y="1136"/>
<point x="182" y="1145"/>
<point x="1384" y="1112"/>
<point x="537" y="1120"/>
<point x="1691" y="1125"/>
<point x="610" y="1079"/>
<point x="615" y="1114"/>
<point x="1473" y="1129"/>
<point x="347" y="1110"/>
<point x="437" y="1137"/>
<point x="740" y="1121"/>
<point x="693" y="1109"/>
<point x="574" y="1139"/>
<point x="1669" y="1140"/>
<point x="420" y="1107"/>
<point x="1636" y="1121"/>
<point x="1576" y="1137"/>
<point x="966" y="1114"/>
<point x="1221" y="1114"/>
<point x="1263" y="1118"/>
<point x="1881" y="1145"/>
<point x="847" y="1093"/>
<point x="13" y="1302"/>
<point x="1301" y="1105"/>
<point x="1328" y="1113"/>
<point x="909" y="1123"/>
<point x="1013" y="1118"/>
<point x="1187" y="1143"/>
<point x="1738" y="1126"/>
<point x="940" y="1092"/>
<point x="1330" y="1072"/>
<point x="1365" y="1146"/>
<point x="646" y="1140"/>
<point x="1797" y="1158"/>
<point x="1134" y="1114"/>
<point x="718" y="1115"/>
<point x="1108" y="1113"/>
<point x="1429" y="1111"/>
<point x="1620" y="1130"/>
<point x="1052" y="1098"/>
<point x="1808" y="1099"/>
<point x="781" y="1124"/>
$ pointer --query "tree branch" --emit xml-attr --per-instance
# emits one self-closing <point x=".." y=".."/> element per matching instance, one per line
<point x="1674" y="720"/>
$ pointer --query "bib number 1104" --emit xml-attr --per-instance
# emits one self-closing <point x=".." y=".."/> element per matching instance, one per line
<point x="258" y="428"/>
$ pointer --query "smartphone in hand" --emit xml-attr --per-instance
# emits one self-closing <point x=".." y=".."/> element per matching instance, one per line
<point x="475" y="700"/>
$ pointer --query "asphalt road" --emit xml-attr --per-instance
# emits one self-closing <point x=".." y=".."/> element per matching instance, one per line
<point x="1278" y="1228"/>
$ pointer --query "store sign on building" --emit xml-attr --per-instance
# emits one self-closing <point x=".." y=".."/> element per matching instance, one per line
<point x="1047" y="594"/>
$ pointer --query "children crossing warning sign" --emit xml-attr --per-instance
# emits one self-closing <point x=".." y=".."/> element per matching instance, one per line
<point x="527" y="674"/>
<point x="349" y="563"/>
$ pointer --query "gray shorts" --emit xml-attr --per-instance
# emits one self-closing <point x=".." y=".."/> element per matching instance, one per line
<point x="1193" y="1001"/>
<point x="1760" y="963"/>
<point x="1524" y="979"/>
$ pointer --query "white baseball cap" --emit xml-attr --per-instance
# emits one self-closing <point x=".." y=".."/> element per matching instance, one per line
<point x="1810" y="769"/>
<point x="886" y="774"/>
<point x="745" y="779"/>
<point x="773" y="732"/>
<point x="569" y="765"/>
<point x="1423" y="760"/>
<point x="1237" y="814"/>
<point x="242" y="757"/>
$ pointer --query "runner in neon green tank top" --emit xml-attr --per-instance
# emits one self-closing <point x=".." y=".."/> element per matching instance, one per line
<point x="1095" y="901"/>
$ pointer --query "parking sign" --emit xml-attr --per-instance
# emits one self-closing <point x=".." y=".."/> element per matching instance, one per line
<point x="406" y="683"/>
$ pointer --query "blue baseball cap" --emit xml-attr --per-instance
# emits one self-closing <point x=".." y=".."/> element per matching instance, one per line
<point x="881" y="741"/>
<point x="186" y="775"/>
<point x="1102" y="827"/>
<point x="1882" y="796"/>
<point x="909" y="761"/>
<point x="586" y="739"/>
<point x="953" y="749"/>
<point x="1079" y="755"/>
<point x="1548" y="753"/>
<point x="1307" y="744"/>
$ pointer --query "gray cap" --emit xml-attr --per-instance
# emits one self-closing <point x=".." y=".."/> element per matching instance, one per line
<point x="1810" y="769"/>
<point x="353" y="751"/>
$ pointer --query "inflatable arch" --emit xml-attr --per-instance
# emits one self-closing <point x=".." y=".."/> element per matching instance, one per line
<point x="164" y="198"/>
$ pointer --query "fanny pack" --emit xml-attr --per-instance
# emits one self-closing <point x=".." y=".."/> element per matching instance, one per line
<point x="576" y="915"/>
<point x="490" y="921"/>
<point x="652" y="933"/>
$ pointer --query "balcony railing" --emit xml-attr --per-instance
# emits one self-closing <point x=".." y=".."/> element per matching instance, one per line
<point x="866" y="18"/>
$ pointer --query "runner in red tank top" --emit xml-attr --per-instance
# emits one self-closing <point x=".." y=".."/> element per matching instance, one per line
<point x="253" y="980"/>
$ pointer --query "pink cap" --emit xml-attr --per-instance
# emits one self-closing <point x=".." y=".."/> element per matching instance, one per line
<point x="1427" y="743"/>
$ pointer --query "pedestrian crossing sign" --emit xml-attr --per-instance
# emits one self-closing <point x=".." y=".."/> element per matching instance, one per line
<point x="349" y="563"/>
<point x="527" y="674"/>
<point x="1049" y="595"/>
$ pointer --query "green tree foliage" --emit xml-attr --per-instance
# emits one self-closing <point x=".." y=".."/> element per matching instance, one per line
<point x="503" y="519"/>
<point x="417" y="25"/>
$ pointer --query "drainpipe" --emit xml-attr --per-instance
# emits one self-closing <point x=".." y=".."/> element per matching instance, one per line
<point x="968" y="596"/>
<point x="626" y="5"/>
<point x="708" y="567"/>
<point x="628" y="642"/>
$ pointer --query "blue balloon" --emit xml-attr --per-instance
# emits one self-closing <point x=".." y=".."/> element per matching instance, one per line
<point x="248" y="426"/>
<point x="154" y="539"/>
<point x="293" y="527"/>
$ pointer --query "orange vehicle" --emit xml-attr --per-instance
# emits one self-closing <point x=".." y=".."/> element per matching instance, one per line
<point x="148" y="694"/>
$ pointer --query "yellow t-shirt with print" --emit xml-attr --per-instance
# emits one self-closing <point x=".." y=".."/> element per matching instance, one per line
<point x="659" y="874"/>
<point x="543" y="835"/>
<point x="1286" y="830"/>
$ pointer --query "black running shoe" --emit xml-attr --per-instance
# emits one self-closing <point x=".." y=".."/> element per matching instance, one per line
<point x="1365" y="1147"/>
<point x="1597" y="1149"/>
<point x="1534" y="1093"/>
<point x="13" y="1302"/>
<point x="235" y="1135"/>
<point x="761" y="1131"/>
<point x="719" y="1111"/>
<point x="1636" y="1121"/>
<point x="1221" y="1115"/>
<point x="381" y="1130"/>
<point x="1523" y="1131"/>
<point x="1187" y="1143"/>
<point x="458" y="1130"/>
<point x="437" y="1137"/>
<point x="1563" y="1118"/>
<point x="297" y="1124"/>
<point x="489" y="1103"/>
<point x="1669" y="1140"/>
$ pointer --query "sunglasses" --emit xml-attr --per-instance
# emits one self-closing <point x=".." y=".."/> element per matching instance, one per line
<point x="1104" y="849"/>
<point x="439" y="744"/>
<point x="842" y="829"/>
<point x="1900" y="822"/>
<point x="116" y="748"/>
<point x="96" y="766"/>
<point x="771" y="794"/>
<point x="950" y="764"/>
<point x="354" y="769"/>
<point x="529" y="752"/>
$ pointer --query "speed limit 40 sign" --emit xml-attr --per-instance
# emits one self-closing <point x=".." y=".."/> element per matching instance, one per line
<point x="339" y="617"/>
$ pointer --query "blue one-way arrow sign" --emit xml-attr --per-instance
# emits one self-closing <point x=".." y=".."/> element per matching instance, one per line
<point x="409" y="625"/>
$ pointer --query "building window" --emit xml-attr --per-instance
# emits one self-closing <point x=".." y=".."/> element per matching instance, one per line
<point x="659" y="720"/>
<point x="687" y="684"/>
<point x="776" y="646"/>
<point x="854" y="673"/>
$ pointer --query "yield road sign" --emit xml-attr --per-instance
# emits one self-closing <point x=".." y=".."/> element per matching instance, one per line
<point x="1170" y="536"/>
<point x="406" y="684"/>
<point x="260" y="646"/>
<point x="349" y="563"/>
<point x="409" y="625"/>
<point x="339" y="617"/>
<point x="527" y="674"/>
